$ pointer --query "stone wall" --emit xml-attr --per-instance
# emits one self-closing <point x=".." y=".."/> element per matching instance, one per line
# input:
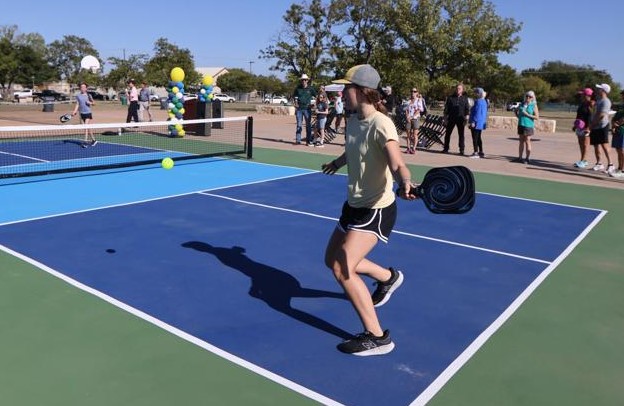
<point x="277" y="110"/>
<point x="511" y="123"/>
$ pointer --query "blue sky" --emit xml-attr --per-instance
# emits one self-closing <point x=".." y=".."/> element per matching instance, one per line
<point x="230" y="33"/>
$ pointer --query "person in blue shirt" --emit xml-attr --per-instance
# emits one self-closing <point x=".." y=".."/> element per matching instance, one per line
<point x="84" y="101"/>
<point x="478" y="122"/>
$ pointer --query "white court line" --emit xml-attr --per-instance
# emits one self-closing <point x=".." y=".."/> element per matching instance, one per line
<point x="23" y="156"/>
<point x="463" y="358"/>
<point x="474" y="247"/>
<point x="175" y="331"/>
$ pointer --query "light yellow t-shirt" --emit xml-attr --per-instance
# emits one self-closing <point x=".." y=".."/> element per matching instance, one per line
<point x="370" y="179"/>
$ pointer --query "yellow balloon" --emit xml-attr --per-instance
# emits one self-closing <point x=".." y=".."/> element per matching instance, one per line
<point x="181" y="133"/>
<point x="175" y="90"/>
<point x="177" y="74"/>
<point x="207" y="80"/>
<point x="181" y="111"/>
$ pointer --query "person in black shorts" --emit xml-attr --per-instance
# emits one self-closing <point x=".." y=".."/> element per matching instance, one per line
<point x="373" y="158"/>
<point x="84" y="101"/>
<point x="600" y="128"/>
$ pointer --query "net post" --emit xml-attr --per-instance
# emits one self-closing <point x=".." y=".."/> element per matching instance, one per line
<point x="249" y="137"/>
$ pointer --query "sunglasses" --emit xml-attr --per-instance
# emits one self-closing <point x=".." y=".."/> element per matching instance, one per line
<point x="414" y="91"/>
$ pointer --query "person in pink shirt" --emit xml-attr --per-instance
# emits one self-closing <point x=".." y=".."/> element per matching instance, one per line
<point x="133" y="102"/>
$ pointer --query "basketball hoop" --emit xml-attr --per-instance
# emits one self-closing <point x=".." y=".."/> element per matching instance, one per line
<point x="90" y="63"/>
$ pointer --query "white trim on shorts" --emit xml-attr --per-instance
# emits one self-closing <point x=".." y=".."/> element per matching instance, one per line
<point x="380" y="236"/>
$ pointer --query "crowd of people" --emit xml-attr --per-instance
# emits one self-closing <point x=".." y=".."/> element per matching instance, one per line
<point x="462" y="110"/>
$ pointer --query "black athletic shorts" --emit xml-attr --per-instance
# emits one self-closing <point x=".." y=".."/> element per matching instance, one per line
<point x="85" y="116"/>
<point x="376" y="221"/>
<point x="599" y="135"/>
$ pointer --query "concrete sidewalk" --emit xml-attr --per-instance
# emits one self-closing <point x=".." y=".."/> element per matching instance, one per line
<point x="552" y="156"/>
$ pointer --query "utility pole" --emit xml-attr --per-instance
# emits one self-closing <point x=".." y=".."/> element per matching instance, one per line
<point x="250" y="62"/>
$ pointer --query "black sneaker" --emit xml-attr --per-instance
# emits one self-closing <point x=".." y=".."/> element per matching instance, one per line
<point x="366" y="344"/>
<point x="384" y="289"/>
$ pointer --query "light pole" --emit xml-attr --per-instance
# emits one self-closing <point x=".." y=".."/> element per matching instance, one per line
<point x="250" y="62"/>
<point x="33" y="82"/>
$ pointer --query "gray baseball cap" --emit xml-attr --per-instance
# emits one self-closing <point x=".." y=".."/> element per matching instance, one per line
<point x="361" y="75"/>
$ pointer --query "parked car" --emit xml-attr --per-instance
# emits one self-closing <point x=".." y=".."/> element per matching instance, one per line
<point x="97" y="95"/>
<point x="23" y="94"/>
<point x="513" y="106"/>
<point x="224" y="98"/>
<point x="48" y="94"/>
<point x="283" y="100"/>
<point x="154" y="97"/>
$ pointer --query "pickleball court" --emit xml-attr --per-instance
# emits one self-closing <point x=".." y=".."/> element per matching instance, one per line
<point x="227" y="254"/>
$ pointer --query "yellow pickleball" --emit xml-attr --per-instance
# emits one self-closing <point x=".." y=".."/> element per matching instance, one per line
<point x="167" y="163"/>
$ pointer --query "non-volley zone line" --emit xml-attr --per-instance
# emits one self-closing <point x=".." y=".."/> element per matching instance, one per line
<point x="420" y="236"/>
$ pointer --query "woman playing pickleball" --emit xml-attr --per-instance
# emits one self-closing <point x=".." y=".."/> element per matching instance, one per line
<point x="373" y="160"/>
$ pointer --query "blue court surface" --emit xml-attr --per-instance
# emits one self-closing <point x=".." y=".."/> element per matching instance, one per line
<point x="228" y="254"/>
<point x="36" y="155"/>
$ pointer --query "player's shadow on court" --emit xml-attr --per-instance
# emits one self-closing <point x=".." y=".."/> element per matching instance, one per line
<point x="273" y="286"/>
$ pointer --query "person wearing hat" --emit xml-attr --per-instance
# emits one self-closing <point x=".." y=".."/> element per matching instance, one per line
<point x="373" y="160"/>
<point x="303" y="96"/>
<point x="617" y="141"/>
<point x="527" y="113"/>
<point x="478" y="122"/>
<point x="599" y="128"/>
<point x="581" y="124"/>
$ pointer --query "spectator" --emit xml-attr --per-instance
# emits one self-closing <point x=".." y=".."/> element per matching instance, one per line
<point x="133" y="102"/>
<point x="390" y="101"/>
<point x="84" y="101"/>
<point x="303" y="95"/>
<point x="527" y="113"/>
<point x="339" y="110"/>
<point x="599" y="128"/>
<point x="581" y="124"/>
<point x="456" y="112"/>
<point x="144" y="102"/>
<point x="618" y="140"/>
<point x="322" y="110"/>
<point x="373" y="159"/>
<point x="478" y="122"/>
<point x="413" y="110"/>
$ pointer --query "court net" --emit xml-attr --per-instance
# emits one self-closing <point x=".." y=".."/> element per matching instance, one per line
<point x="48" y="149"/>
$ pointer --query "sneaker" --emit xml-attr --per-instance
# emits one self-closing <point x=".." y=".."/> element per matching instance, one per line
<point x="481" y="155"/>
<point x="475" y="156"/>
<point x="366" y="344"/>
<point x="385" y="289"/>
<point x="598" y="167"/>
<point x="520" y="160"/>
<point x="610" y="169"/>
<point x="93" y="143"/>
<point x="320" y="145"/>
<point x="527" y="161"/>
<point x="580" y="164"/>
<point x="618" y="174"/>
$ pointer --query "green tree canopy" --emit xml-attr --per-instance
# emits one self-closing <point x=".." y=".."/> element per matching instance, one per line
<point x="166" y="57"/>
<point x="65" y="55"/>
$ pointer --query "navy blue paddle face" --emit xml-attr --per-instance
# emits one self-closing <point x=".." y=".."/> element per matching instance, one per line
<point x="447" y="190"/>
<point x="65" y="117"/>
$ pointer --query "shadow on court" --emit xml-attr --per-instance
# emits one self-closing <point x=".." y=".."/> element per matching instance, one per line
<point x="273" y="286"/>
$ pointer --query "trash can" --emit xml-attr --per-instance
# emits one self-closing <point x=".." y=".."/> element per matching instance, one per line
<point x="164" y="104"/>
<point x="48" y="104"/>
<point x="193" y="110"/>
<point x="217" y="112"/>
<point x="124" y="100"/>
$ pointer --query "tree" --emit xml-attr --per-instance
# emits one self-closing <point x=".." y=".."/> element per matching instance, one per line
<point x="271" y="85"/>
<point x="65" y="55"/>
<point x="456" y="38"/>
<point x="302" y="46"/>
<point x="166" y="57"/>
<point x="237" y="80"/>
<point x="125" y="69"/>
<point x="22" y="58"/>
